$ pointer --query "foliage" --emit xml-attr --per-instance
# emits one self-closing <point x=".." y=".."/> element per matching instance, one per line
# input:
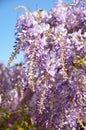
<point x="18" y="120"/>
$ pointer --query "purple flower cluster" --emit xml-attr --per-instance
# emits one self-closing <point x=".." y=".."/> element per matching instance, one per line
<point x="54" y="45"/>
<point x="13" y="83"/>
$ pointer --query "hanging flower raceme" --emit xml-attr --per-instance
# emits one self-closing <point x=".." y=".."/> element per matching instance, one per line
<point x="54" y="46"/>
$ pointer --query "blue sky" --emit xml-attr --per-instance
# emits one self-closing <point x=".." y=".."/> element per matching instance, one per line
<point x="8" y="18"/>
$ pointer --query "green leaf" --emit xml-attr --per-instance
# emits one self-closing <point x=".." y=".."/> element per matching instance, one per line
<point x="20" y="6"/>
<point x="8" y="129"/>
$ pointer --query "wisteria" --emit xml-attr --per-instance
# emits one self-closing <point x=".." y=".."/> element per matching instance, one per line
<point x="14" y="95"/>
<point x="52" y="81"/>
<point x="8" y="82"/>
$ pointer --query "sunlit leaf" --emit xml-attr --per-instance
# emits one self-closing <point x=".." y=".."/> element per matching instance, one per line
<point x="20" y="7"/>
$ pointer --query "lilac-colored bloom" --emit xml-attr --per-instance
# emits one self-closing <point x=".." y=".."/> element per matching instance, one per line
<point x="54" y="46"/>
